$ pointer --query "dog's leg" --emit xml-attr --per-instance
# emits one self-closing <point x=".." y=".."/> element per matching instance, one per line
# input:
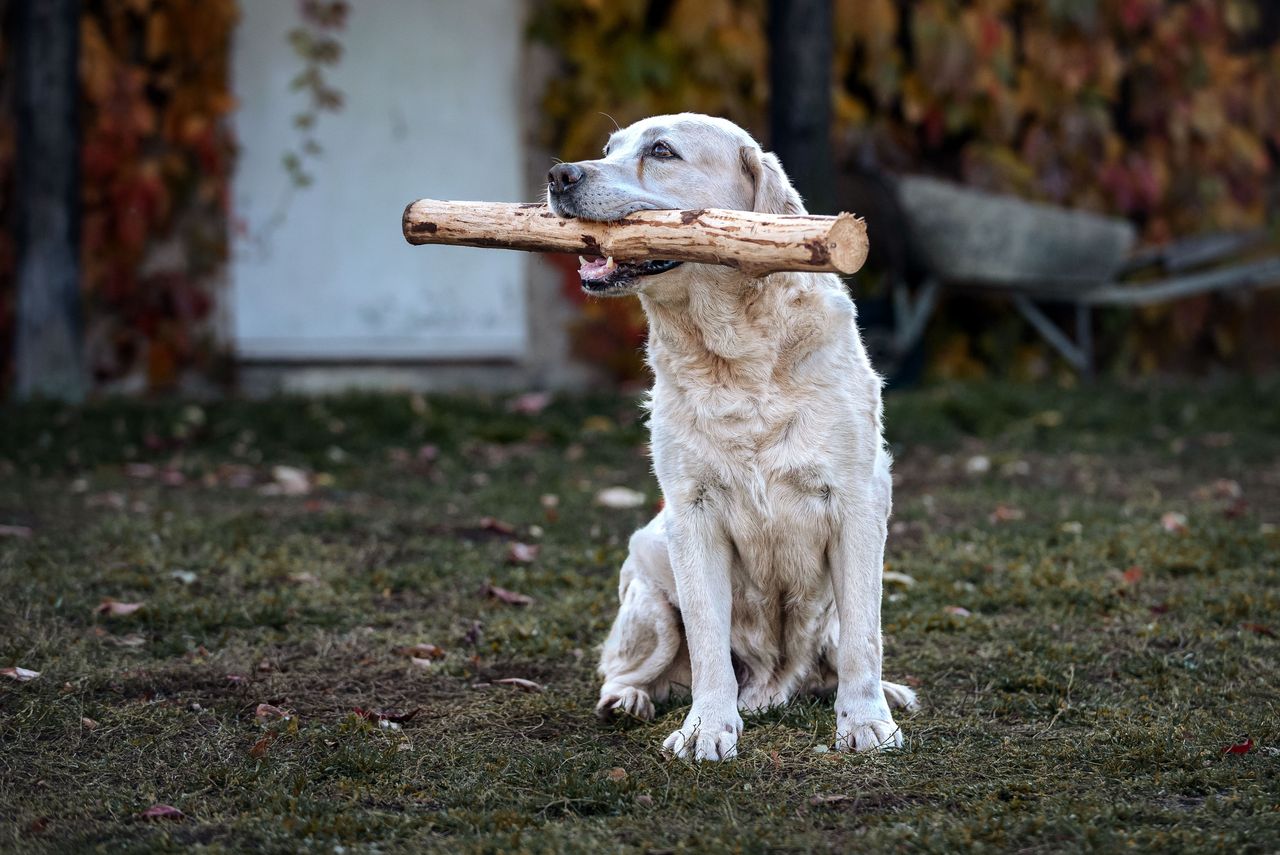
<point x="700" y="559"/>
<point x="863" y="720"/>
<point x="645" y="638"/>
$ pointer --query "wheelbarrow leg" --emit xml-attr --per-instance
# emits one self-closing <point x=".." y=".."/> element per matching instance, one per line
<point x="1078" y="354"/>
<point x="1084" y="339"/>
<point x="910" y="317"/>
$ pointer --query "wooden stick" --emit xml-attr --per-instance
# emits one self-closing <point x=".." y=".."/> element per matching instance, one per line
<point x="754" y="243"/>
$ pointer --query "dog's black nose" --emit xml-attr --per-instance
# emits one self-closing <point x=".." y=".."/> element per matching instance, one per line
<point x="563" y="176"/>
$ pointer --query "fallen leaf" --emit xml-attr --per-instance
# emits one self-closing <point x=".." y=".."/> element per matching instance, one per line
<point x="420" y="663"/>
<point x="22" y="675"/>
<point x="304" y="578"/>
<point x="132" y="640"/>
<point x="379" y="716"/>
<point x="1133" y="575"/>
<point x="958" y="611"/>
<point x="1244" y="746"/>
<point x="520" y="683"/>
<point x="496" y="525"/>
<point x="162" y="812"/>
<point x="977" y="465"/>
<point x="620" y="498"/>
<point x="235" y="679"/>
<point x="270" y="712"/>
<point x="644" y="800"/>
<point x="550" y="506"/>
<point x="422" y="651"/>
<point x="1174" y="522"/>
<point x="617" y="773"/>
<point x="259" y="749"/>
<point x="821" y="799"/>
<point x="88" y="723"/>
<point x="1259" y="629"/>
<point x="509" y="597"/>
<point x="1005" y="513"/>
<point x="899" y="578"/>
<point x="287" y="481"/>
<point x="1226" y="488"/>
<point x="15" y="531"/>
<point x="186" y="577"/>
<point x="530" y="403"/>
<point x="522" y="553"/>
<point x="114" y="608"/>
<point x="1235" y="510"/>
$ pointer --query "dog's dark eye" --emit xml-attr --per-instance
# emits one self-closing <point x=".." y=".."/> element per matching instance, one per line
<point x="661" y="149"/>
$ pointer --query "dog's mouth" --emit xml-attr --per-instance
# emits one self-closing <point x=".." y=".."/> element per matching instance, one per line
<point x="601" y="275"/>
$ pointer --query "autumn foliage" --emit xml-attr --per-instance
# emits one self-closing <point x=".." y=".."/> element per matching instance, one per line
<point x="1166" y="112"/>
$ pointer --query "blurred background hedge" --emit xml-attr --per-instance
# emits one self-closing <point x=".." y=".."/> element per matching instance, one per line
<point x="1166" y="112"/>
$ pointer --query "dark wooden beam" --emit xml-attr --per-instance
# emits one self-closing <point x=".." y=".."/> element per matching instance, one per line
<point x="800" y="44"/>
<point x="48" y="344"/>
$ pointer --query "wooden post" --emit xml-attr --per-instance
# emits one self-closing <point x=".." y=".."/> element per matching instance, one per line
<point x="800" y="56"/>
<point x="48" y="341"/>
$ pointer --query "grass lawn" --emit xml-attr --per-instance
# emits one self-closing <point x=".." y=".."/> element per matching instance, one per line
<point x="1093" y="621"/>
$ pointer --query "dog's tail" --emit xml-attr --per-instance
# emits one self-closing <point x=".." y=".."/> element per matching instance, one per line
<point x="899" y="695"/>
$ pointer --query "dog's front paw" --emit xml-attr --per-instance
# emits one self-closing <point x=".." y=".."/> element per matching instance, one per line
<point x="706" y="736"/>
<point x="867" y="735"/>
<point x="627" y="700"/>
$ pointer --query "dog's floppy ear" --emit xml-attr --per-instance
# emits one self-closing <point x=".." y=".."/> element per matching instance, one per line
<point x="773" y="192"/>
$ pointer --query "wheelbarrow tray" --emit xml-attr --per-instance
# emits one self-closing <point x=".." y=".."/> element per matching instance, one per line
<point x="997" y="241"/>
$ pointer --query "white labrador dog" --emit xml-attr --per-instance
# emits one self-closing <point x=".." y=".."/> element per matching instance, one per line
<point x="760" y="579"/>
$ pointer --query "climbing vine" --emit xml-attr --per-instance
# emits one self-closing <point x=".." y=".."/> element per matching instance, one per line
<point x="1162" y="111"/>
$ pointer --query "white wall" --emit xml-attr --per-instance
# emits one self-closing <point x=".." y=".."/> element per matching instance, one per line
<point x="432" y="109"/>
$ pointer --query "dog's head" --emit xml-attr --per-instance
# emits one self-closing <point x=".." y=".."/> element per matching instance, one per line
<point x="674" y="162"/>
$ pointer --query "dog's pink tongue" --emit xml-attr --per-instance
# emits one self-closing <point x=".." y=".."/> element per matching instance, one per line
<point x="593" y="268"/>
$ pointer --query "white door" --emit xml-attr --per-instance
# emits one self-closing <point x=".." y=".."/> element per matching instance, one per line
<point x="431" y="109"/>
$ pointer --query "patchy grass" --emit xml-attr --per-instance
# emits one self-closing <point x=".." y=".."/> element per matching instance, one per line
<point x="1084" y="701"/>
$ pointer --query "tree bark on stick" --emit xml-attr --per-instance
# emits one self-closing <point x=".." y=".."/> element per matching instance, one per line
<point x="754" y="243"/>
<point x="48" y="344"/>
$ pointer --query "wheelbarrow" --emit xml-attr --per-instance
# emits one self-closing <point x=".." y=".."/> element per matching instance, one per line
<point x="1033" y="253"/>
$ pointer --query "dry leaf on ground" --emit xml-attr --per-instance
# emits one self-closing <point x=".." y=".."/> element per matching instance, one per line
<point x="162" y="812"/>
<point x="620" y="498"/>
<point x="115" y="608"/>
<point x="22" y="675"/>
<point x="522" y="553"/>
<point x="521" y="683"/>
<point x="505" y="596"/>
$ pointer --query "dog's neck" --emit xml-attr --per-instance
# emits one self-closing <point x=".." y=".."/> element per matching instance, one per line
<point x="742" y="330"/>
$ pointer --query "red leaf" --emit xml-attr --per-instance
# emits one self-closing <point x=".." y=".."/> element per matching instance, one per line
<point x="1242" y="747"/>
<point x="162" y="812"/>
<point x="496" y="525"/>
<point x="1133" y="575"/>
<point x="259" y="749"/>
<point x="508" y="597"/>
<point x="1259" y="629"/>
